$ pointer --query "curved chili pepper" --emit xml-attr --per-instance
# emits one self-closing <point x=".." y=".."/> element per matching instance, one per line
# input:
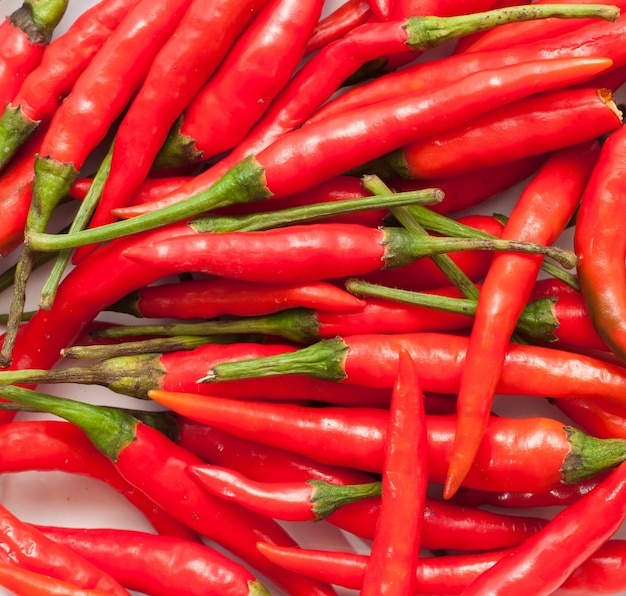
<point x="498" y="464"/>
<point x="65" y="58"/>
<point x="528" y="568"/>
<point x="600" y="39"/>
<point x="195" y="49"/>
<point x="515" y="34"/>
<point x="158" y="565"/>
<point x="23" y="38"/>
<point x="84" y="118"/>
<point x="211" y="298"/>
<point x="601" y="246"/>
<point x="58" y="446"/>
<point x="153" y="463"/>
<point x="302" y="253"/>
<point x="445" y="525"/>
<point x="28" y="548"/>
<point x="602" y="573"/>
<point x="538" y="124"/>
<point x="505" y="291"/>
<point x="256" y="68"/>
<point x="338" y="23"/>
<point x="21" y="581"/>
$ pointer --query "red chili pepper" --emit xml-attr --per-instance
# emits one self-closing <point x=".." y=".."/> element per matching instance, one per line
<point x="538" y="124"/>
<point x="157" y="466"/>
<point x="602" y="573"/>
<point x="280" y="475"/>
<point x="150" y="189"/>
<point x="26" y="547"/>
<point x="506" y="289"/>
<point x="61" y="64"/>
<point x="303" y="253"/>
<point x="23" y="38"/>
<point x="405" y="8"/>
<point x="338" y="23"/>
<point x="21" y="581"/>
<point x="515" y="34"/>
<point x="255" y="69"/>
<point x="193" y="52"/>
<point x="601" y="246"/>
<point x="602" y="418"/>
<point x="307" y="430"/>
<point x="382" y="9"/>
<point x="600" y="39"/>
<point x="157" y="565"/>
<point x="212" y="298"/>
<point x="84" y="118"/>
<point x="545" y="560"/>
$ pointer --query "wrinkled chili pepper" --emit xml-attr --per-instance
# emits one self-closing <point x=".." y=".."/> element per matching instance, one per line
<point x="158" y="565"/>
<point x="211" y="298"/>
<point x="302" y="253"/>
<point x="193" y="51"/>
<point x="254" y="71"/>
<point x="601" y="245"/>
<point x="506" y="289"/>
<point x="29" y="549"/>
<point x="362" y="433"/>
<point x="529" y="567"/>
<point x="61" y="64"/>
<point x="136" y="449"/>
<point x="538" y="124"/>
<point x="84" y="118"/>
<point x="24" y="36"/>
<point x="57" y="446"/>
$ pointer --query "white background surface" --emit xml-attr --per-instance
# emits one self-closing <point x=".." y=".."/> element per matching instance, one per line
<point x="63" y="499"/>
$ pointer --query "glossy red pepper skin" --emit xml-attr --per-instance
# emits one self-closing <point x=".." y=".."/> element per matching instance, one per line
<point x="599" y="39"/>
<point x="158" y="565"/>
<point x="528" y="568"/>
<point x="538" y="124"/>
<point x="601" y="245"/>
<point x="27" y="548"/>
<point x="602" y="573"/>
<point x="542" y="212"/>
<point x="193" y="51"/>
<point x="212" y="298"/>
<point x="500" y="463"/>
<point x="254" y="71"/>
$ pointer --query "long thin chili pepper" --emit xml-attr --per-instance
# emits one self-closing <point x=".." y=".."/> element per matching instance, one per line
<point x="211" y="298"/>
<point x="24" y="36"/>
<point x="159" y="565"/>
<point x="156" y="465"/>
<point x="178" y="371"/>
<point x="600" y="39"/>
<point x="303" y="253"/>
<point x="569" y="538"/>
<point x="537" y="124"/>
<point x="29" y="549"/>
<point x="362" y="433"/>
<point x="528" y="370"/>
<point x="601" y="245"/>
<point x="63" y="61"/>
<point x="319" y="150"/>
<point x="599" y="417"/>
<point x="602" y="573"/>
<point x="194" y="51"/>
<point x="57" y="446"/>
<point x="21" y="581"/>
<point x="84" y="118"/>
<point x="340" y="21"/>
<point x="254" y="71"/>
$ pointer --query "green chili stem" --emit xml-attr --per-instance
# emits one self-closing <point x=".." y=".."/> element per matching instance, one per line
<point x="327" y="498"/>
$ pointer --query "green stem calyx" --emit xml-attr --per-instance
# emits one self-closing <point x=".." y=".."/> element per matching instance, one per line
<point x="327" y="498"/>
<point x="428" y="32"/>
<point x="39" y="18"/>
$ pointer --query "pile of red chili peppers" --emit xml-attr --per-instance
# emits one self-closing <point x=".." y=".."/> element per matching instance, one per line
<point x="380" y="249"/>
